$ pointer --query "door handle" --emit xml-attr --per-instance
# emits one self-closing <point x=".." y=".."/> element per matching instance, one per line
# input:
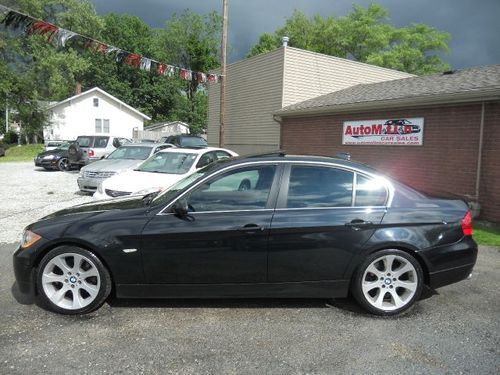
<point x="358" y="224"/>
<point x="250" y="228"/>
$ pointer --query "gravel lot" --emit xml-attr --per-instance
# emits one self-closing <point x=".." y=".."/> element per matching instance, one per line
<point x="455" y="331"/>
<point x="29" y="193"/>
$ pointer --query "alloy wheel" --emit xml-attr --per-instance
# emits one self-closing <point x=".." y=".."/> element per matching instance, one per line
<point x="389" y="282"/>
<point x="63" y="164"/>
<point x="71" y="281"/>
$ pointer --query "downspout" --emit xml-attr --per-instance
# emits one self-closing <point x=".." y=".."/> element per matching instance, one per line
<point x="279" y="120"/>
<point x="480" y="153"/>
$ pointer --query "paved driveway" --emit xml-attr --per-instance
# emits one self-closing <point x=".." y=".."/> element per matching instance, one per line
<point x="455" y="331"/>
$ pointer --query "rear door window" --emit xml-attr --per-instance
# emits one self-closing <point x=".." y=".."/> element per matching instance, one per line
<point x="316" y="186"/>
<point x="101" y="142"/>
<point x="369" y="192"/>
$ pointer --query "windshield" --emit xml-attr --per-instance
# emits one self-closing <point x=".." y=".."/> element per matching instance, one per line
<point x="63" y="146"/>
<point x="193" y="142"/>
<point x="169" y="162"/>
<point x="131" y="153"/>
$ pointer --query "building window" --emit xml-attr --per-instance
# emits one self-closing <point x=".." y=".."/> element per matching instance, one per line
<point x="98" y="125"/>
<point x="105" y="128"/>
<point x="102" y="125"/>
<point x="96" y="102"/>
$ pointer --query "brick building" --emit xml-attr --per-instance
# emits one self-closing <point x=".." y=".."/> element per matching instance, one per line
<point x="456" y="147"/>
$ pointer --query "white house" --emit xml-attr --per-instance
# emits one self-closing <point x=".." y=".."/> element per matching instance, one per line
<point x="90" y="113"/>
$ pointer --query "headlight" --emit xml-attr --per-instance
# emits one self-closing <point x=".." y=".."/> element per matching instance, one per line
<point x="29" y="238"/>
<point x="49" y="157"/>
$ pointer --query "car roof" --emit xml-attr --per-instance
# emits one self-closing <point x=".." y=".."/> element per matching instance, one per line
<point x="194" y="150"/>
<point x="282" y="156"/>
<point x="140" y="145"/>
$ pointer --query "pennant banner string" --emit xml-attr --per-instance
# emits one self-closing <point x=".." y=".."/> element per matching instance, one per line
<point x="33" y="26"/>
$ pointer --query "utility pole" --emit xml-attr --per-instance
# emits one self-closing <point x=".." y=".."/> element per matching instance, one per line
<point x="223" y="73"/>
<point x="6" y="115"/>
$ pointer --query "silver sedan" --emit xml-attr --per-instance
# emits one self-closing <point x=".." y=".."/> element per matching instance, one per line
<point x="124" y="158"/>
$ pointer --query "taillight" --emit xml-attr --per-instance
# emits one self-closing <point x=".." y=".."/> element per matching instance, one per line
<point x="467" y="224"/>
<point x="91" y="153"/>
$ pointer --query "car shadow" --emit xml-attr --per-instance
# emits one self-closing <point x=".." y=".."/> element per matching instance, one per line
<point x="83" y="193"/>
<point x="23" y="299"/>
<point x="347" y="304"/>
<point x="248" y="303"/>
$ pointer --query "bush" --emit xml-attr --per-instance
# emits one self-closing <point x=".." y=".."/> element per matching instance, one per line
<point x="10" y="137"/>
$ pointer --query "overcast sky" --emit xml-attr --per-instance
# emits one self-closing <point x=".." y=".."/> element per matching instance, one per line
<point x="474" y="25"/>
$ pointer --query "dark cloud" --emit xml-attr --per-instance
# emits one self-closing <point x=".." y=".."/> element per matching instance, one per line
<point x="474" y="25"/>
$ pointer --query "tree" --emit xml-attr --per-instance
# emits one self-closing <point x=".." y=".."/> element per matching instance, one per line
<point x="363" y="35"/>
<point x="32" y="71"/>
<point x="193" y="41"/>
<point x="146" y="91"/>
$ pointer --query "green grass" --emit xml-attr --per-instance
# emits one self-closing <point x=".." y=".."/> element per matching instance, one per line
<point x="21" y="153"/>
<point x="489" y="236"/>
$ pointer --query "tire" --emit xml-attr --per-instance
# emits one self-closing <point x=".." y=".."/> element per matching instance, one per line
<point x="67" y="288"/>
<point x="63" y="164"/>
<point x="75" y="153"/>
<point x="388" y="282"/>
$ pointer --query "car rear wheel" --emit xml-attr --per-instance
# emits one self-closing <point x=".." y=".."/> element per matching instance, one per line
<point x="63" y="164"/>
<point x="71" y="280"/>
<point x="388" y="282"/>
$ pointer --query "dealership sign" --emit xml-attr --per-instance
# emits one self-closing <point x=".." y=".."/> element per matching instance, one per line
<point x="389" y="132"/>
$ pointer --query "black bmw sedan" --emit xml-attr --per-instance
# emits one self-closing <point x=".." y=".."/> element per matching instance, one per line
<point x="265" y="226"/>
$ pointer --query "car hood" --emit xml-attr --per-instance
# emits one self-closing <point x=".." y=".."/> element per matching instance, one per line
<point x="112" y="165"/>
<point x="122" y="203"/>
<point x="53" y="152"/>
<point x="134" y="181"/>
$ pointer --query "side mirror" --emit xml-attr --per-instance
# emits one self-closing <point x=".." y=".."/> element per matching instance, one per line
<point x="180" y="208"/>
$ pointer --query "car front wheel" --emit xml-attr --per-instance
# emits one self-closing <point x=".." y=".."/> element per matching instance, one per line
<point x="71" y="280"/>
<point x="63" y="164"/>
<point x="388" y="282"/>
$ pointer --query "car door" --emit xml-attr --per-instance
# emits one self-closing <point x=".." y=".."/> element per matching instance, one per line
<point x="319" y="224"/>
<point x="224" y="237"/>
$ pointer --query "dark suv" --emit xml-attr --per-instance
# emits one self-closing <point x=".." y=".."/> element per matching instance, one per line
<point x="183" y="140"/>
<point x="89" y="148"/>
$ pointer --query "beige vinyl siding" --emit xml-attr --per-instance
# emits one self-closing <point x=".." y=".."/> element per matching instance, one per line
<point x="259" y="86"/>
<point x="253" y="93"/>
<point x="309" y="74"/>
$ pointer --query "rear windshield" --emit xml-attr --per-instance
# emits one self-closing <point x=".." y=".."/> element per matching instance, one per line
<point x="85" y="141"/>
<point x="96" y="142"/>
<point x="192" y="142"/>
<point x="131" y="152"/>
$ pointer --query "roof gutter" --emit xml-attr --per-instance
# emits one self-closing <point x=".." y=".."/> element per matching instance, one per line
<point x="429" y="100"/>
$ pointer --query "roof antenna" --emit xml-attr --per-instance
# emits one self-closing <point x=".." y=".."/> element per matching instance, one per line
<point x="285" y="40"/>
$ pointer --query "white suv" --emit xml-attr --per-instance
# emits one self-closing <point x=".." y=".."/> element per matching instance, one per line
<point x="89" y="148"/>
